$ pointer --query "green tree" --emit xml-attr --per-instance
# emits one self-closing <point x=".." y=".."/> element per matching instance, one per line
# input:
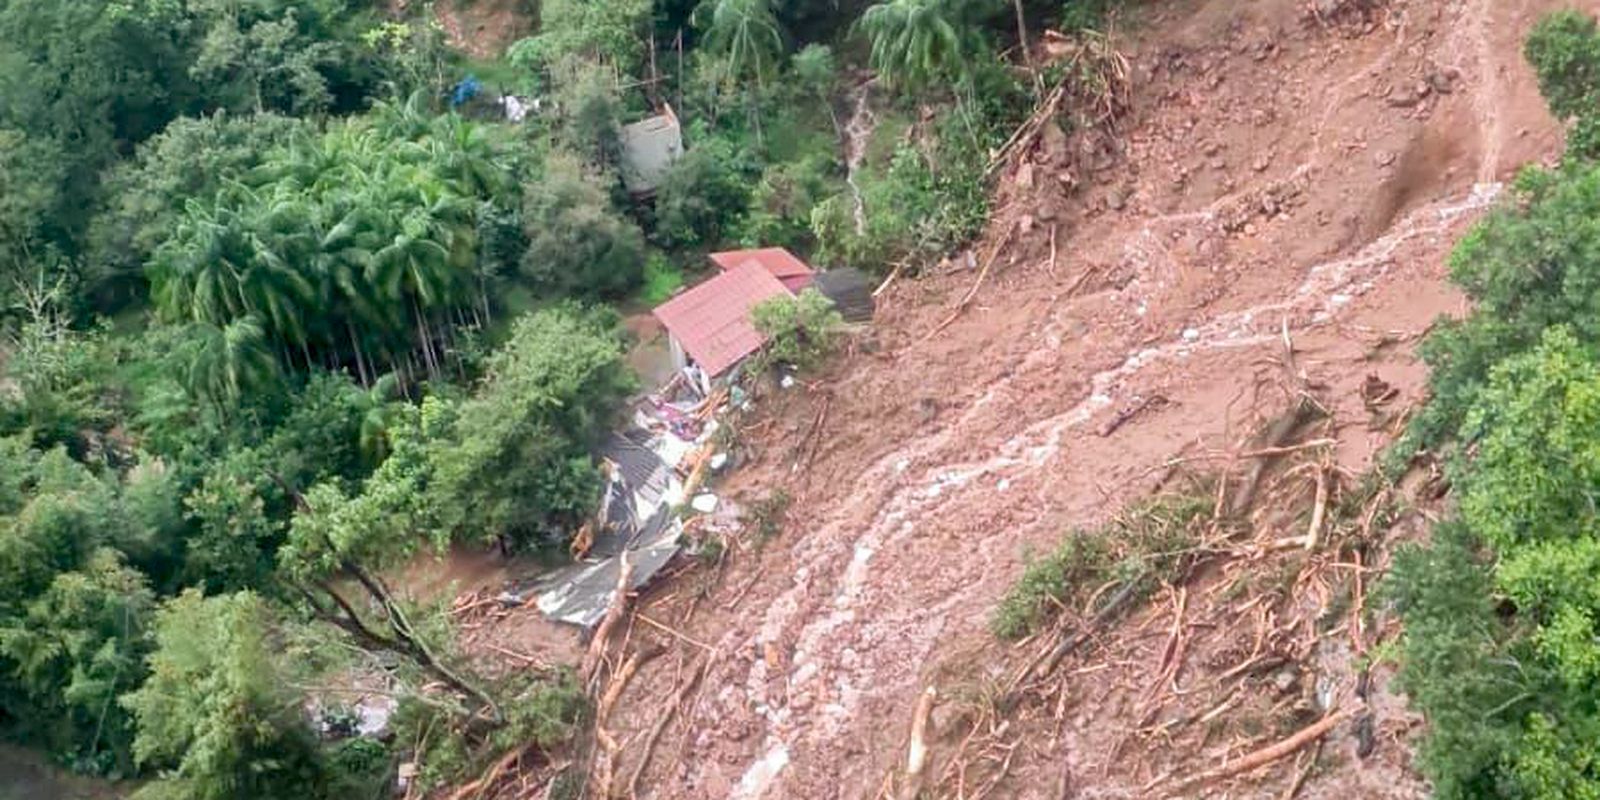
<point x="72" y="651"/>
<point x="518" y="466"/>
<point x="702" y="197"/>
<point x="192" y="160"/>
<point x="800" y="330"/>
<point x="577" y="245"/>
<point x="278" y="55"/>
<point x="746" y="36"/>
<point x="608" y="31"/>
<point x="1564" y="50"/>
<point x="918" y="43"/>
<point x="216" y="713"/>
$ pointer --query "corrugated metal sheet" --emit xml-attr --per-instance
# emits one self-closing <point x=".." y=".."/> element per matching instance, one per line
<point x="850" y="290"/>
<point x="712" y="320"/>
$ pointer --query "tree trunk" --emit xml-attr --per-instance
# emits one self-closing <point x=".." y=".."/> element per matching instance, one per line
<point x="402" y="642"/>
<point x="427" y="341"/>
<point x="361" y="361"/>
<point x="1022" y="36"/>
<point x="401" y="626"/>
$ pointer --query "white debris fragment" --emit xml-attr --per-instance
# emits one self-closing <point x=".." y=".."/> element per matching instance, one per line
<point x="704" y="503"/>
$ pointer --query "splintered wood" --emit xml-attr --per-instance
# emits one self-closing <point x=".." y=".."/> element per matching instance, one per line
<point x="1216" y="680"/>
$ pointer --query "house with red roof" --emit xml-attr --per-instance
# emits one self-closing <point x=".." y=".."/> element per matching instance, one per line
<point x="710" y="323"/>
<point x="783" y="265"/>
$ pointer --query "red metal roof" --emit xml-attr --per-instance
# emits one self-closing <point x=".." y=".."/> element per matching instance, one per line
<point x="712" y="320"/>
<point x="778" y="261"/>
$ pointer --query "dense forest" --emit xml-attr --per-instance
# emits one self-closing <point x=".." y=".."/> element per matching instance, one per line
<point x="284" y="304"/>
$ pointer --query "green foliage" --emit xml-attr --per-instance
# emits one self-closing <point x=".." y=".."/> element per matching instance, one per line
<point x="63" y="388"/>
<point x="518" y="464"/>
<point x="1564" y="50"/>
<point x="783" y="202"/>
<point x="917" y="44"/>
<point x="577" y="245"/>
<point x="745" y="37"/>
<point x="1144" y="547"/>
<point x="541" y="711"/>
<point x="609" y="31"/>
<point x="1529" y="264"/>
<point x="1086" y="15"/>
<point x="84" y="80"/>
<point x="215" y="711"/>
<point x="801" y="330"/>
<point x="1500" y="647"/>
<point x="70" y="651"/>
<point x="591" y="122"/>
<point x="815" y="69"/>
<point x="192" y="160"/>
<point x="765" y="516"/>
<point x="280" y="55"/>
<point x="661" y="280"/>
<point x="353" y="248"/>
<point x="703" y="196"/>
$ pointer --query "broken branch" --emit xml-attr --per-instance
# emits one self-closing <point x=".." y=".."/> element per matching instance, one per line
<point x="1262" y="757"/>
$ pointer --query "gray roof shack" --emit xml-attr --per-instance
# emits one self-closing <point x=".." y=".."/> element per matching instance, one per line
<point x="649" y="149"/>
<point x="850" y="290"/>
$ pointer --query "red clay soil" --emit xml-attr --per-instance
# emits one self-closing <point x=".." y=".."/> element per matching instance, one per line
<point x="479" y="28"/>
<point x="1275" y="170"/>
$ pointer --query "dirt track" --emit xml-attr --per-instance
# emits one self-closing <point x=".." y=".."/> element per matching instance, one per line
<point x="1274" y="170"/>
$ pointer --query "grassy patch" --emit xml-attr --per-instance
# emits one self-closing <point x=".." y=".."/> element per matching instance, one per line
<point x="661" y="280"/>
<point x="1145" y="546"/>
<point x="765" y="516"/>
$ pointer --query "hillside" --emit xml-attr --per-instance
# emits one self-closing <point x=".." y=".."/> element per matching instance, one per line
<point x="1281" y="175"/>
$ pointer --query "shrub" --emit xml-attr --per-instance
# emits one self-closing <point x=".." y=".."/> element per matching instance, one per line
<point x="702" y="197"/>
<point x="576" y="243"/>
<point x="1564" y="49"/>
<point x="662" y="279"/>
<point x="800" y="330"/>
<point x="1138" y="550"/>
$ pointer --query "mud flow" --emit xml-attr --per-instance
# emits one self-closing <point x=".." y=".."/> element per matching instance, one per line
<point x="1290" y="172"/>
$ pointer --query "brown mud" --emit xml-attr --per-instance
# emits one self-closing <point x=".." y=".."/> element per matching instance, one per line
<point x="1278" y="170"/>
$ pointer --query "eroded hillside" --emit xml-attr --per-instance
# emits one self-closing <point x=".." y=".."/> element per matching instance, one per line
<point x="1288" y="170"/>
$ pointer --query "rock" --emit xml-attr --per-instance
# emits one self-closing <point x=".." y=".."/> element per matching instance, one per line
<point x="1440" y="81"/>
<point x="1383" y="158"/>
<point x="1249" y="229"/>
<point x="1261" y="163"/>
<point x="1212" y="148"/>
<point x="1025" y="175"/>
<point x="1285" y="679"/>
<point x="1116" y="199"/>
<point x="1404" y="98"/>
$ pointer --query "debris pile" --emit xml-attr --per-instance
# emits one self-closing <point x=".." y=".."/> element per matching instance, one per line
<point x="654" y="470"/>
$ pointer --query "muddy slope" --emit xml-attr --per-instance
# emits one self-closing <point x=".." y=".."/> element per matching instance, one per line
<point x="1277" y="171"/>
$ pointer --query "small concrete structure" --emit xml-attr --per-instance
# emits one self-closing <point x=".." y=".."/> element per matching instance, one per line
<point x="649" y="149"/>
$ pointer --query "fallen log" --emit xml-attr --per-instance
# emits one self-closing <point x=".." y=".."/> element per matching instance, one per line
<point x="1260" y="758"/>
<point x="593" y="657"/>
<point x="917" y="753"/>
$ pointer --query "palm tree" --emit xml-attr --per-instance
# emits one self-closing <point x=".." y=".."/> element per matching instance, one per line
<point x="916" y="42"/>
<point x="224" y="362"/>
<point x="747" y="34"/>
